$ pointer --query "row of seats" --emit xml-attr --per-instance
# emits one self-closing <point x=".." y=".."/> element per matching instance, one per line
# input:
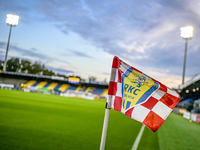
<point x="64" y="87"/>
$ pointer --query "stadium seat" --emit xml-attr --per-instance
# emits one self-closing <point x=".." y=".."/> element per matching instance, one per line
<point x="63" y="87"/>
<point x="52" y="86"/>
<point x="89" y="90"/>
<point x="57" y="87"/>
<point x="46" y="85"/>
<point x="30" y="83"/>
<point x="35" y="84"/>
<point x="72" y="88"/>
<point x="105" y="93"/>
<point x="41" y="84"/>
<point x="97" y="91"/>
<point x="80" y="89"/>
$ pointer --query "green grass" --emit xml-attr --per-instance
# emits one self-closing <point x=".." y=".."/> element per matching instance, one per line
<point x="178" y="133"/>
<point x="40" y="121"/>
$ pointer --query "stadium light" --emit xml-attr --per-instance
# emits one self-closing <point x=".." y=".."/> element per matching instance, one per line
<point x="186" y="34"/>
<point x="11" y="20"/>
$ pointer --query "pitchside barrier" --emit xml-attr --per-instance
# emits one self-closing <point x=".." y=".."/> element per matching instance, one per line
<point x="195" y="117"/>
<point x="72" y="93"/>
<point x="68" y="93"/>
<point x="187" y="115"/>
<point x="192" y="116"/>
<point x="7" y="86"/>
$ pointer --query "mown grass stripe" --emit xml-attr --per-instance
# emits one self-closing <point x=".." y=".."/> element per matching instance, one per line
<point x="39" y="121"/>
<point x="179" y="133"/>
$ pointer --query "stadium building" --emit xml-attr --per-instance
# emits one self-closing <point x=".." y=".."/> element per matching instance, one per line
<point x="190" y="94"/>
<point x="75" y="87"/>
<point x="71" y="86"/>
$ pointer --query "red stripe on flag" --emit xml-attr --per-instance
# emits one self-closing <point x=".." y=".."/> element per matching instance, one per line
<point x="170" y="100"/>
<point x="153" y="121"/>
<point x="129" y="112"/>
<point x="120" y="75"/>
<point x="118" y="103"/>
<point x="112" y="88"/>
<point x="116" y="62"/>
<point x="163" y="88"/>
<point x="150" y="103"/>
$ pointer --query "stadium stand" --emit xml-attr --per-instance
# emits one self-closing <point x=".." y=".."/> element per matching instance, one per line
<point x="72" y="88"/>
<point x="105" y="93"/>
<point x="53" y="84"/>
<point x="78" y="91"/>
<point x="30" y="83"/>
<point x="89" y="90"/>
<point x="63" y="87"/>
<point x="191" y="89"/>
<point x="35" y="84"/>
<point x="189" y="105"/>
<point x="57" y="87"/>
<point x="196" y="106"/>
<point x="47" y="85"/>
<point x="41" y="84"/>
<point x="98" y="91"/>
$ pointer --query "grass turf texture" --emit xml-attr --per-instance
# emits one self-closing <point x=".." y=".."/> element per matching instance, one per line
<point x="39" y="121"/>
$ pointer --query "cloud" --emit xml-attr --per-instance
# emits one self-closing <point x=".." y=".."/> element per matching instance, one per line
<point x="79" y="54"/>
<point x="143" y="34"/>
<point x="59" y="70"/>
<point x="30" y="54"/>
<point x="2" y="45"/>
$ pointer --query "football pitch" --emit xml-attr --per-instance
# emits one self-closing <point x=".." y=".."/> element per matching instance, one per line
<point x="40" y="121"/>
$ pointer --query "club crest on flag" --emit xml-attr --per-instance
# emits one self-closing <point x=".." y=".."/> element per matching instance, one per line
<point x="136" y="88"/>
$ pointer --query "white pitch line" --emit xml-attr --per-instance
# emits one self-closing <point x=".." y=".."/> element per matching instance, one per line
<point x="137" y="141"/>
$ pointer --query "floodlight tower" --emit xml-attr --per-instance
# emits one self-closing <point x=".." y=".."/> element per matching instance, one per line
<point x="11" y="20"/>
<point x="186" y="34"/>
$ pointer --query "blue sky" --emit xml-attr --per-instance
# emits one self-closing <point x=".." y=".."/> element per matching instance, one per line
<point x="81" y="37"/>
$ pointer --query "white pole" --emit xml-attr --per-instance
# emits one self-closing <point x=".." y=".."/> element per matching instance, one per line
<point x="105" y="127"/>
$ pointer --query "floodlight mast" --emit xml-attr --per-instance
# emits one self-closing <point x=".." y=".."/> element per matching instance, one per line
<point x="186" y="33"/>
<point x="11" y="20"/>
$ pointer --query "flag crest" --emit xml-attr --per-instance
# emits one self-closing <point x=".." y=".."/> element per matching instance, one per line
<point x="139" y="96"/>
<point x="136" y="88"/>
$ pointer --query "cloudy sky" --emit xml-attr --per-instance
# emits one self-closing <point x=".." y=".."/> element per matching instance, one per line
<point x="81" y="37"/>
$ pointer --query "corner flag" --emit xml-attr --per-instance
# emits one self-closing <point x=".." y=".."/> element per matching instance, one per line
<point x="139" y="96"/>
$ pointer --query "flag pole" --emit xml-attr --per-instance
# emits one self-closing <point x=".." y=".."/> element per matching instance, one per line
<point x="105" y="127"/>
